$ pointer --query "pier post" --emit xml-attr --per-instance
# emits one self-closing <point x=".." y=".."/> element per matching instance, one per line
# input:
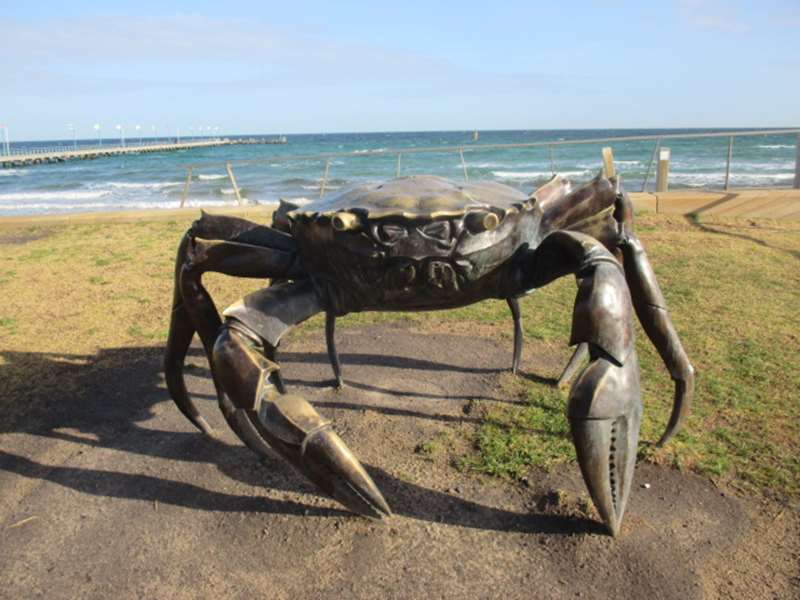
<point x="186" y="185"/>
<point x="662" y="175"/>
<point x="797" y="163"/>
<point x="608" y="162"/>
<point x="233" y="183"/>
<point x="728" y="164"/>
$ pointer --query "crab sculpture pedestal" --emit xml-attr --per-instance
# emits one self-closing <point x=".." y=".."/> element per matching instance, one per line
<point x="425" y="243"/>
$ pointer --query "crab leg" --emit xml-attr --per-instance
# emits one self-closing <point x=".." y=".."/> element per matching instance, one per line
<point x="333" y="355"/>
<point x="182" y="329"/>
<point x="513" y="304"/>
<point x="651" y="308"/>
<point x="287" y="423"/>
<point x="604" y="406"/>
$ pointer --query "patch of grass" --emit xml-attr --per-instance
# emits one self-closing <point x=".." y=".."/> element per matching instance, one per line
<point x="8" y="325"/>
<point x="511" y="440"/>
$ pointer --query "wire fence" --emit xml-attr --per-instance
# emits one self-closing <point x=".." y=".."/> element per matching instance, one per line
<point x="657" y="168"/>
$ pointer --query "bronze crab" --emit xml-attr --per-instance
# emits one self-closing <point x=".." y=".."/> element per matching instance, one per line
<point x="426" y="243"/>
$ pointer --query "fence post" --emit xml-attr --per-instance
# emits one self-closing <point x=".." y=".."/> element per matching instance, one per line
<point x="728" y="165"/>
<point x="463" y="164"/>
<point x="608" y="162"/>
<point x="233" y="183"/>
<point x="399" y="157"/>
<point x="325" y="178"/>
<point x="186" y="185"/>
<point x="650" y="164"/>
<point x="662" y="176"/>
<point x="797" y="163"/>
<point x="552" y="160"/>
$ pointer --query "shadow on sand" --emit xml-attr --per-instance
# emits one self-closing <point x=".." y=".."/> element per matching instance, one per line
<point x="107" y="400"/>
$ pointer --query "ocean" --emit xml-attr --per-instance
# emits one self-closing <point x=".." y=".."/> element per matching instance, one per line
<point x="149" y="181"/>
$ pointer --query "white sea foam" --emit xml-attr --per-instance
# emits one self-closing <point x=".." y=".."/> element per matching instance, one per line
<point x="210" y="177"/>
<point x="66" y="195"/>
<point x="535" y="174"/>
<point x="775" y="146"/>
<point x="132" y="185"/>
<point x="368" y="150"/>
<point x="12" y="172"/>
<point x="704" y="179"/>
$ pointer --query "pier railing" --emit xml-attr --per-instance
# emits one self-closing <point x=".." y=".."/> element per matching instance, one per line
<point x="659" y="157"/>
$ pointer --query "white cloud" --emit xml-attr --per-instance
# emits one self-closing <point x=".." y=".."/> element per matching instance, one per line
<point x="713" y="15"/>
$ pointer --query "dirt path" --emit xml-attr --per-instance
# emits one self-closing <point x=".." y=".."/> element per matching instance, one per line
<point x="112" y="493"/>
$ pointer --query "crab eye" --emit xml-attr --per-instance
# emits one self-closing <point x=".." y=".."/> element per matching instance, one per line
<point x="389" y="233"/>
<point x="439" y="230"/>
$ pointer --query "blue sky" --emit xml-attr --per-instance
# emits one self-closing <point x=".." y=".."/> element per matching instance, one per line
<point x="293" y="67"/>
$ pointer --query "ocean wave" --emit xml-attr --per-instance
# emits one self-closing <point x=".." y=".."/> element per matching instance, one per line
<point x="536" y="174"/>
<point x="703" y="179"/>
<point x="775" y="146"/>
<point x="65" y="195"/>
<point x="211" y="177"/>
<point x="128" y="185"/>
<point x="12" y="172"/>
<point x="102" y="206"/>
<point x="368" y="150"/>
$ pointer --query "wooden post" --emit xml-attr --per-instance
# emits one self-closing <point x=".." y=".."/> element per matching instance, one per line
<point x="662" y="175"/>
<point x="325" y="178"/>
<point x="233" y="183"/>
<point x="608" y="162"/>
<point x="552" y="160"/>
<point x="463" y="164"/>
<point x="185" y="195"/>
<point x="728" y="164"/>
<point x="399" y="158"/>
<point x="797" y="163"/>
<point x="650" y="164"/>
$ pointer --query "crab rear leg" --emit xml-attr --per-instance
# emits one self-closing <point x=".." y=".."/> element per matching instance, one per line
<point x="651" y="308"/>
<point x="604" y="408"/>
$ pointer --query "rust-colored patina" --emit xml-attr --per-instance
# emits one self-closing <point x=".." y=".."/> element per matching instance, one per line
<point x="426" y="243"/>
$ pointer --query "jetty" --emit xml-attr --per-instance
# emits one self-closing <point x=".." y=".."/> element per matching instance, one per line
<point x="48" y="155"/>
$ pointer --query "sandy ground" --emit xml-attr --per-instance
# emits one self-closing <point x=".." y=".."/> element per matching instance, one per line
<point x="108" y="491"/>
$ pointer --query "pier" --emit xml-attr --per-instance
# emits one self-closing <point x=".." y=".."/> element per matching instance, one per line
<point x="35" y="157"/>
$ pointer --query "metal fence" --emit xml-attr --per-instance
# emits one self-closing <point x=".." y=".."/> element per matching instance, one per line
<point x="658" y="140"/>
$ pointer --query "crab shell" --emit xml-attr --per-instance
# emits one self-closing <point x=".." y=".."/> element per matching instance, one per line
<point x="417" y="243"/>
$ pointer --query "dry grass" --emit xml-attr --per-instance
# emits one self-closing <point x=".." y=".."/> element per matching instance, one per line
<point x="70" y="291"/>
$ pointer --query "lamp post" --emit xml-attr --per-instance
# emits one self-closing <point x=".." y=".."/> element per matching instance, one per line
<point x="71" y="128"/>
<point x="97" y="131"/>
<point x="139" y="131"/>
<point x="121" y="130"/>
<point x="4" y="127"/>
<point x="178" y="135"/>
<point x="153" y="127"/>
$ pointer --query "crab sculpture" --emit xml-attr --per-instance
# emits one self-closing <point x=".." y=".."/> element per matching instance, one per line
<point x="426" y="243"/>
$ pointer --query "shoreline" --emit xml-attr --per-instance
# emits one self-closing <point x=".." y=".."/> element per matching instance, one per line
<point x="772" y="203"/>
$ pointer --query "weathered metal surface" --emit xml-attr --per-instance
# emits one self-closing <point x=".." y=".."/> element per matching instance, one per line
<point x="423" y="243"/>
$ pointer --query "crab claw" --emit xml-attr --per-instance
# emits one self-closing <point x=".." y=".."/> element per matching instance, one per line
<point x="297" y="432"/>
<point x="604" y="414"/>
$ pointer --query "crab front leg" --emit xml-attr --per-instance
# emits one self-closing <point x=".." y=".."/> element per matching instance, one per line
<point x="287" y="423"/>
<point x="604" y="408"/>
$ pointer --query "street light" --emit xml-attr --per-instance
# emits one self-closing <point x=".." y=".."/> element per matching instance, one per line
<point x="178" y="135"/>
<point x="153" y="127"/>
<point x="139" y="130"/>
<point x="4" y="127"/>
<point x="99" y="139"/>
<point x="71" y="127"/>
<point x="121" y="130"/>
